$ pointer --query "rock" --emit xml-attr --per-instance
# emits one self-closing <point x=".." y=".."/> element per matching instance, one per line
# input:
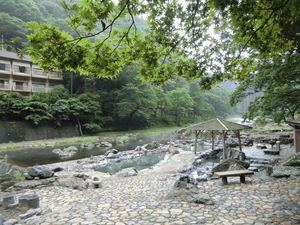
<point x="111" y="155"/>
<point x="58" y="169"/>
<point x="29" y="200"/>
<point x="293" y="161"/>
<point x="9" y="175"/>
<point x="73" y="182"/>
<point x="203" y="198"/>
<point x="8" y="199"/>
<point x="105" y="144"/>
<point x="231" y="164"/>
<point x="190" y="194"/>
<point x="261" y="146"/>
<point x="183" y="182"/>
<point x="128" y="172"/>
<point x="30" y="213"/>
<point x="31" y="184"/>
<point x="10" y="222"/>
<point x="89" y="146"/>
<point x="41" y="172"/>
<point x="81" y="175"/>
<point x="280" y="175"/>
<point x="71" y="148"/>
<point x="253" y="168"/>
<point x="232" y="143"/>
<point x="66" y="153"/>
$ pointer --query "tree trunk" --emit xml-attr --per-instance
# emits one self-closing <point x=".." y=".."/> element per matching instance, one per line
<point x="79" y="126"/>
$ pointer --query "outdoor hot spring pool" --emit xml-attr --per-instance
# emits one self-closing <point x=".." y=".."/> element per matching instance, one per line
<point x="146" y="161"/>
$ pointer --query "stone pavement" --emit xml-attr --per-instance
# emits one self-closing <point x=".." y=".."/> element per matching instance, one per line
<point x="141" y="200"/>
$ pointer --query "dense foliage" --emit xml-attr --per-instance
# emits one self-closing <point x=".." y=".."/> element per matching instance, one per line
<point x="212" y="40"/>
<point x="254" y="42"/>
<point x="123" y="103"/>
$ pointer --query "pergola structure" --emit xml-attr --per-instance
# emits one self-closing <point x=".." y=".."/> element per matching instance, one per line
<point x="219" y="126"/>
<point x="296" y="125"/>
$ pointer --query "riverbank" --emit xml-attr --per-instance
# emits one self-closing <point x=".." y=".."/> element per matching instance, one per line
<point x="113" y="136"/>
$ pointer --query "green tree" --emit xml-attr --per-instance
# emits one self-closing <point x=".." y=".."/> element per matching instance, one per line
<point x="135" y="105"/>
<point x="181" y="104"/>
<point x="36" y="112"/>
<point x="278" y="82"/>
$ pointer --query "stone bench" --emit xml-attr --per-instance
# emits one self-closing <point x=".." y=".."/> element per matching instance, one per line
<point x="234" y="173"/>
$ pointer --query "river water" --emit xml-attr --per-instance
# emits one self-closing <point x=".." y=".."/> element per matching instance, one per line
<point x="30" y="157"/>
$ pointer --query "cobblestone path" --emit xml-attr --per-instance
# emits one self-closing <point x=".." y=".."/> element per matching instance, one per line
<point x="141" y="200"/>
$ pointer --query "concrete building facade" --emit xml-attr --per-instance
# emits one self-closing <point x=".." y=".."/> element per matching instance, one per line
<point x="19" y="74"/>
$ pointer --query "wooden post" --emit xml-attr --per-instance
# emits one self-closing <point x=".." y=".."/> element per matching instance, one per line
<point x="195" y="145"/>
<point x="239" y="138"/>
<point x="212" y="140"/>
<point x="224" y="145"/>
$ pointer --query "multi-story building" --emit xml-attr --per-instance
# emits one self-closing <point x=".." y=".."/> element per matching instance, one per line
<point x="19" y="74"/>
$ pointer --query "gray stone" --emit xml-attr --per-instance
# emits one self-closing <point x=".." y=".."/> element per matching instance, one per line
<point x="9" y="175"/>
<point x="30" y="213"/>
<point x="73" y="182"/>
<point x="66" y="153"/>
<point x="128" y="172"/>
<point x="29" y="200"/>
<point x="231" y="164"/>
<point x="191" y="194"/>
<point x="261" y="146"/>
<point x="111" y="155"/>
<point x="8" y="199"/>
<point x="10" y="222"/>
<point x="31" y="184"/>
<point x="203" y="198"/>
<point x="105" y="144"/>
<point x="40" y="171"/>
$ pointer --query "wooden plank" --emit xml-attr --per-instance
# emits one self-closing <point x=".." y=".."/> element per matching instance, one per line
<point x="234" y="173"/>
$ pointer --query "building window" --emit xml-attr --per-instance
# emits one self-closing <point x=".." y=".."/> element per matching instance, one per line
<point x="39" y="87"/>
<point x="22" y="69"/>
<point x="4" y="66"/>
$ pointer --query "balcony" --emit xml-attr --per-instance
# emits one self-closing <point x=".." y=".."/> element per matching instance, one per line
<point x="36" y="72"/>
<point x="21" y="88"/>
<point x="39" y="89"/>
<point x="55" y="75"/>
<point x="4" y="87"/>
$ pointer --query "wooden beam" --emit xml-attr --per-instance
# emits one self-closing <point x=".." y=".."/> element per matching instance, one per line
<point x="239" y="138"/>
<point x="195" y="145"/>
<point x="212" y="140"/>
<point x="224" y="145"/>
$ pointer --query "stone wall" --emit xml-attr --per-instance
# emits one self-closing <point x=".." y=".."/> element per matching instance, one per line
<point x="24" y="131"/>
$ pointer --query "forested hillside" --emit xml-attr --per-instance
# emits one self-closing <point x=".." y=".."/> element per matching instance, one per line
<point x="14" y="15"/>
<point x="96" y="104"/>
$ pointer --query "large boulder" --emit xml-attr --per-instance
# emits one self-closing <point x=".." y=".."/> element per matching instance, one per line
<point x="231" y="164"/>
<point x="41" y="172"/>
<point x="128" y="172"/>
<point x="190" y="193"/>
<point x="9" y="175"/>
